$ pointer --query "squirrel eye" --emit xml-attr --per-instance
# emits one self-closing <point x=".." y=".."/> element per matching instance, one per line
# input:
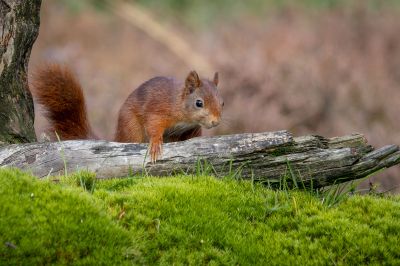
<point x="199" y="103"/>
<point x="223" y="103"/>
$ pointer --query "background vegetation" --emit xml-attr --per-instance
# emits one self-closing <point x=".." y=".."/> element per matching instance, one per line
<point x="313" y="67"/>
<point x="191" y="220"/>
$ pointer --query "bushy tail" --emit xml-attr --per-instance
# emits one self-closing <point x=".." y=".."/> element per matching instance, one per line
<point x="57" y="90"/>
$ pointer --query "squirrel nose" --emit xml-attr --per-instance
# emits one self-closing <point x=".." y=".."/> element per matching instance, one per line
<point x="215" y="123"/>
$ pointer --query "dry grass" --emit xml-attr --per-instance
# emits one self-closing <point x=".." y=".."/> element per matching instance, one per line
<point x="330" y="73"/>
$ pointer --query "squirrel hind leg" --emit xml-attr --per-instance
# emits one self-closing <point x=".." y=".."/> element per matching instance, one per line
<point x="129" y="129"/>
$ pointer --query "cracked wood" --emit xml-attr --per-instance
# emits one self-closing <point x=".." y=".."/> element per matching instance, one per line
<point x="265" y="157"/>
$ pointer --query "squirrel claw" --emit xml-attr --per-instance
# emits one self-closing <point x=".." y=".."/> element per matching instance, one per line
<point x="155" y="151"/>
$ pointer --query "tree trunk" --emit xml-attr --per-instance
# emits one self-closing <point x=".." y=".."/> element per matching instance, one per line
<point x="265" y="157"/>
<point x="19" y="27"/>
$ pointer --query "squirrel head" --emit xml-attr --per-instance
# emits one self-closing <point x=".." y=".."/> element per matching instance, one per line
<point x="202" y="102"/>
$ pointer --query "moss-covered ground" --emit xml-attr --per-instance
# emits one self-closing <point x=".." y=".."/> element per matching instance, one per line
<point x="188" y="220"/>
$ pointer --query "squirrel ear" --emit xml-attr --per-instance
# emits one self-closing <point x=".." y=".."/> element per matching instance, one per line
<point x="193" y="80"/>
<point x="216" y="79"/>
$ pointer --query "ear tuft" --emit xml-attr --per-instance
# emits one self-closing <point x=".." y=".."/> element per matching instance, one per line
<point x="216" y="79"/>
<point x="193" y="80"/>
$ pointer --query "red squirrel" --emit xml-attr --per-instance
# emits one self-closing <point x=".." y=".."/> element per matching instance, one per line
<point x="160" y="110"/>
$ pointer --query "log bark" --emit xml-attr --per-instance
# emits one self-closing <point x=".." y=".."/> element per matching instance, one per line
<point x="264" y="157"/>
<point x="19" y="27"/>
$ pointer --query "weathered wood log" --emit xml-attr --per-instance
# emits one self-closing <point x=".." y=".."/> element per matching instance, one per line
<point x="19" y="27"/>
<point x="265" y="157"/>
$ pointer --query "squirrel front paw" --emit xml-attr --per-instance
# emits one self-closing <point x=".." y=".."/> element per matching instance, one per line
<point x="155" y="150"/>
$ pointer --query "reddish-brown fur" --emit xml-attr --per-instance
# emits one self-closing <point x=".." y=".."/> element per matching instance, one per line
<point x="160" y="110"/>
<point x="59" y="92"/>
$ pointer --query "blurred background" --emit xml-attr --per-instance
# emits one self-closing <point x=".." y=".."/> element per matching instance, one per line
<point x="327" y="67"/>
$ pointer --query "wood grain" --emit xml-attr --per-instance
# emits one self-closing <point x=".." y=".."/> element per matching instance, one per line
<point x="264" y="157"/>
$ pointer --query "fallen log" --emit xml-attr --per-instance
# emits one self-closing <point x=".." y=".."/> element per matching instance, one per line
<point x="265" y="157"/>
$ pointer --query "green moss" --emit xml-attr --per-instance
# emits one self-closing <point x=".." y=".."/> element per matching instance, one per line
<point x="42" y="223"/>
<point x="84" y="179"/>
<point x="190" y="220"/>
